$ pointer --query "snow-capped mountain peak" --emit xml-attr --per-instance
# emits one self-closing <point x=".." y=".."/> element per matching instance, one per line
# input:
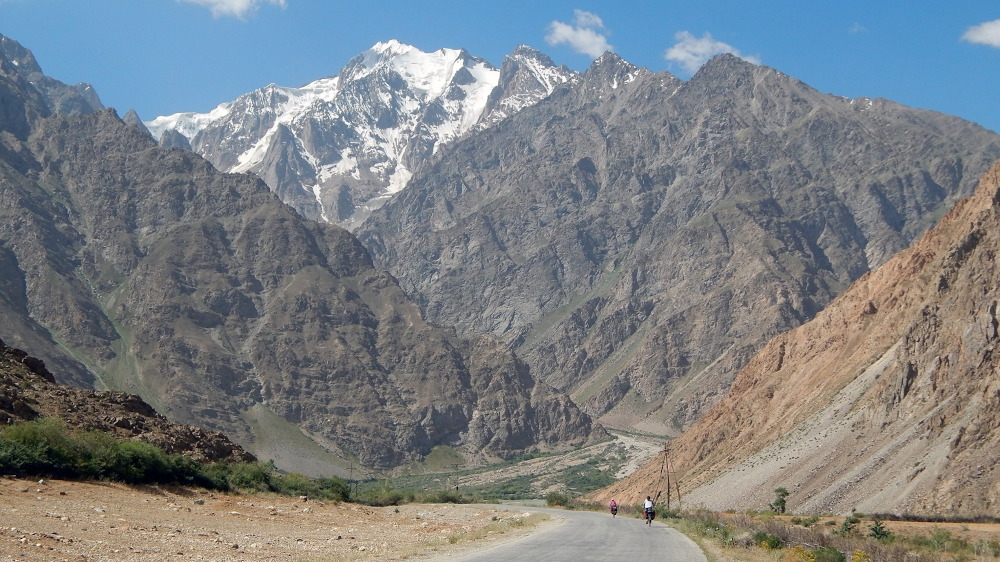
<point x="526" y="77"/>
<point x="339" y="145"/>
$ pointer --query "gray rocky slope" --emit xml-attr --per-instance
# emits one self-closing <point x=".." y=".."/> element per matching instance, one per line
<point x="78" y="99"/>
<point x="137" y="268"/>
<point x="638" y="237"/>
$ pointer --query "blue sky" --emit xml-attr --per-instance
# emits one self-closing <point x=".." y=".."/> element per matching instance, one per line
<point x="167" y="56"/>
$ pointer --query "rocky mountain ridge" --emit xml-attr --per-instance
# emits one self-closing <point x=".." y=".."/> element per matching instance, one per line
<point x="29" y="391"/>
<point x="887" y="401"/>
<point x="79" y="99"/>
<point x="146" y="270"/>
<point x="337" y="147"/>
<point x="638" y="238"/>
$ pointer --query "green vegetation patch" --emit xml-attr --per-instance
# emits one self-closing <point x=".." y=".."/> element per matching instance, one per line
<point x="46" y="447"/>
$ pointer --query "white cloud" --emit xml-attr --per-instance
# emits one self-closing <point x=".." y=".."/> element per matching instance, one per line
<point x="237" y="8"/>
<point x="985" y="34"/>
<point x="585" y="35"/>
<point x="857" y="28"/>
<point x="691" y="52"/>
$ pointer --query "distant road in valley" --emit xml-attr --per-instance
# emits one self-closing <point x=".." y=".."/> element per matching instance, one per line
<point x="588" y="535"/>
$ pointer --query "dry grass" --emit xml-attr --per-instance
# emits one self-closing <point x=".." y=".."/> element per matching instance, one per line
<point x="744" y="536"/>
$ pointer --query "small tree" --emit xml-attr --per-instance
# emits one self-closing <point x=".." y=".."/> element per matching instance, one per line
<point x="878" y="531"/>
<point x="849" y="525"/>
<point x="778" y="505"/>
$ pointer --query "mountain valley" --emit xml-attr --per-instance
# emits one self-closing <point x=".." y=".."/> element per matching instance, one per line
<point x="424" y="265"/>
<point x="143" y="269"/>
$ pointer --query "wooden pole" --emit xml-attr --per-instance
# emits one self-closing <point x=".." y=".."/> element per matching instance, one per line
<point x="677" y="485"/>
<point x="666" y="463"/>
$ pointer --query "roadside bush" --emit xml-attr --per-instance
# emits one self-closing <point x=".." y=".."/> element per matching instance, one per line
<point x="335" y="489"/>
<point x="557" y="499"/>
<point x="382" y="496"/>
<point x="42" y="446"/>
<point x="295" y="484"/>
<point x="136" y="462"/>
<point x="705" y="523"/>
<point x="940" y="540"/>
<point x="445" y="496"/>
<point x="250" y="477"/>
<point x="820" y="543"/>
<point x="47" y="447"/>
<point x="214" y="476"/>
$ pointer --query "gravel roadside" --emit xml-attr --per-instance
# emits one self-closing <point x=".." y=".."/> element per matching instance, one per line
<point x="63" y="520"/>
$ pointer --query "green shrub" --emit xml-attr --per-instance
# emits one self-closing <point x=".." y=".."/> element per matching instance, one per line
<point x="333" y="488"/>
<point x="767" y="540"/>
<point x="878" y="531"/>
<point x="137" y="462"/>
<point x="214" y="476"/>
<point x="828" y="554"/>
<point x="20" y="458"/>
<point x="705" y="524"/>
<point x="295" y="484"/>
<point x="940" y="540"/>
<point x="382" y="496"/>
<point x="95" y="454"/>
<point x="445" y="496"/>
<point x="46" y="447"/>
<point x="584" y="479"/>
<point x="250" y="477"/>
<point x="849" y="525"/>
<point x="43" y="446"/>
<point x="557" y="498"/>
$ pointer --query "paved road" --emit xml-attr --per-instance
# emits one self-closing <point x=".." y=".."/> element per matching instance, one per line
<point x="588" y="535"/>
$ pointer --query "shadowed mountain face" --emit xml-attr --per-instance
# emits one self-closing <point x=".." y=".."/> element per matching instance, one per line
<point x="138" y="268"/>
<point x="887" y="401"/>
<point x="638" y="238"/>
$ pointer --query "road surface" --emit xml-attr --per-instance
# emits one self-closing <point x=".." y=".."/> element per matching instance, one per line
<point x="589" y="535"/>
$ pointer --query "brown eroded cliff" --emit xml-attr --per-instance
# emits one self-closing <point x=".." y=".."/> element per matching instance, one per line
<point x="888" y="401"/>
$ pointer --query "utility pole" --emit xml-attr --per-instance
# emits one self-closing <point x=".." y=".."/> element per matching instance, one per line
<point x="454" y="468"/>
<point x="666" y="466"/>
<point x="352" y="485"/>
<point x="665" y="474"/>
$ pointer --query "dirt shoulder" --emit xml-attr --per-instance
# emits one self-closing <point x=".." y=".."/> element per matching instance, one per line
<point x="61" y="520"/>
